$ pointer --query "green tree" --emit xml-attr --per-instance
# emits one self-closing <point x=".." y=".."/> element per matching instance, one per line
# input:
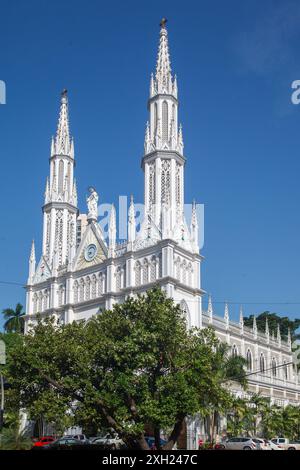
<point x="133" y="366"/>
<point x="14" y="319"/>
<point x="12" y="438"/>
<point x="274" y="319"/>
<point x="226" y="368"/>
<point x="236" y="417"/>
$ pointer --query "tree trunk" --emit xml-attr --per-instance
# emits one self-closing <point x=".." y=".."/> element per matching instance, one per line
<point x="178" y="427"/>
<point x="157" y="437"/>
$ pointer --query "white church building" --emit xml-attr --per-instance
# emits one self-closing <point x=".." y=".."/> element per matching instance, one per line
<point x="80" y="271"/>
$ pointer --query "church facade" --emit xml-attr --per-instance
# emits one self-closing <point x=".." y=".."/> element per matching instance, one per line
<point x="80" y="271"/>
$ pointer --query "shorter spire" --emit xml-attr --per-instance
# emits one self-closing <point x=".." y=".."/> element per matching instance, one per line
<point x="210" y="312"/>
<point x="278" y="334"/>
<point x="254" y="327"/>
<point x="32" y="263"/>
<point x="112" y="231"/>
<point x="74" y="193"/>
<point x="289" y="338"/>
<point x="194" y="227"/>
<point x="241" y="319"/>
<point x="226" y="315"/>
<point x="267" y="331"/>
<point x="131" y="222"/>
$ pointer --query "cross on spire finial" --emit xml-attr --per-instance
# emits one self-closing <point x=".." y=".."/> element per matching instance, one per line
<point x="163" y="22"/>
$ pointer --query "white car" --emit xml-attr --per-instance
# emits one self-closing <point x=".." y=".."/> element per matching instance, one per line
<point x="274" y="446"/>
<point x="111" y="441"/>
<point x="240" y="443"/>
<point x="261" y="444"/>
<point x="286" y="443"/>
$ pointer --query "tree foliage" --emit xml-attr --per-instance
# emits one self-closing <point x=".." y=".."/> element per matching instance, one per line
<point x="14" y="319"/>
<point x="133" y="366"/>
<point x="274" y="319"/>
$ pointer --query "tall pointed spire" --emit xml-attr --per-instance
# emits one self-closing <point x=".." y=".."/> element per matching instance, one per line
<point x="210" y="312"/>
<point x="163" y="66"/>
<point x="62" y="144"/>
<point x="32" y="263"/>
<point x="131" y="222"/>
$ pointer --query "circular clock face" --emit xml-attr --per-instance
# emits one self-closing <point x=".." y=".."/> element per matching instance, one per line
<point x="90" y="252"/>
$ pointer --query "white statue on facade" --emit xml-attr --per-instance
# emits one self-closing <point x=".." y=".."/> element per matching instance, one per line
<point x="92" y="204"/>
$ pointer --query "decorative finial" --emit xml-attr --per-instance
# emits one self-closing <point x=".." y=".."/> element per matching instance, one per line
<point x="163" y="23"/>
<point x="64" y="93"/>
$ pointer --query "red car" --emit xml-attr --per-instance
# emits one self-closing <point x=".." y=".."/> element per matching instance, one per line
<point x="43" y="441"/>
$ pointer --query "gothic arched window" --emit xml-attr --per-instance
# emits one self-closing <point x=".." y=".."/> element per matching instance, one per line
<point x="185" y="310"/>
<point x="177" y="268"/>
<point x="274" y="367"/>
<point x="138" y="273"/>
<point x="145" y="271"/>
<point x="153" y="269"/>
<point x="165" y="122"/>
<point x="262" y="363"/>
<point x="94" y="286"/>
<point x="88" y="288"/>
<point x="60" y="176"/>
<point x="75" y="289"/>
<point x="81" y="290"/>
<point x="249" y="360"/>
<point x="285" y="370"/>
<point x="184" y="271"/>
<point x="155" y="119"/>
<point x="61" y="295"/>
<point x="101" y="285"/>
<point x="234" y="351"/>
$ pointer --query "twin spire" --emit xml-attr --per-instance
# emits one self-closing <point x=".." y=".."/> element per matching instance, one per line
<point x="163" y="82"/>
<point x="63" y="144"/>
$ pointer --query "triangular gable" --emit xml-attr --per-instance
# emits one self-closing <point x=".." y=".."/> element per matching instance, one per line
<point x="42" y="272"/>
<point x="92" y="236"/>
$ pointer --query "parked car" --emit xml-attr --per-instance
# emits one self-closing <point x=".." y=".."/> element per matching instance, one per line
<point x="286" y="443"/>
<point x="109" y="441"/>
<point x="274" y="446"/>
<point x="43" y="441"/>
<point x="240" y="443"/>
<point x="261" y="444"/>
<point x="79" y="437"/>
<point x="64" y="443"/>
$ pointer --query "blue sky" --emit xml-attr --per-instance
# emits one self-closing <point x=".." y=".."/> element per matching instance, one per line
<point x="235" y="63"/>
